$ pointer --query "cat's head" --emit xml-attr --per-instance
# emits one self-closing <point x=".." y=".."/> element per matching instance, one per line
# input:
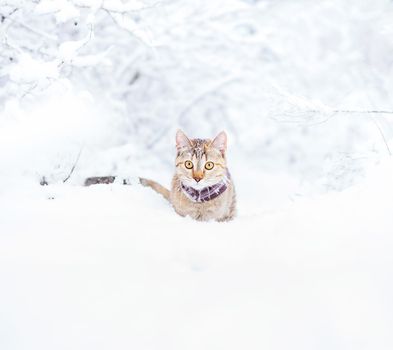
<point x="201" y="162"/>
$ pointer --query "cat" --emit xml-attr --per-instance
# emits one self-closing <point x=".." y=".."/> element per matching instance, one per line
<point x="202" y="187"/>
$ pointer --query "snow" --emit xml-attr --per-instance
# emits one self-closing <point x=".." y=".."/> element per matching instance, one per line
<point x="113" y="266"/>
<point x="68" y="49"/>
<point x="64" y="10"/>
<point x="29" y="69"/>
<point x="97" y="88"/>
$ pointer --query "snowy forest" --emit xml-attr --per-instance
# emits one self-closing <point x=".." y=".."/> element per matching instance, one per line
<point x="92" y="88"/>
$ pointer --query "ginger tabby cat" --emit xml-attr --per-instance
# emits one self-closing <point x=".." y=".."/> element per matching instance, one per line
<point x="202" y="187"/>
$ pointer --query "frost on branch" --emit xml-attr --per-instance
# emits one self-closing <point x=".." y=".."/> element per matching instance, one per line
<point x="292" y="87"/>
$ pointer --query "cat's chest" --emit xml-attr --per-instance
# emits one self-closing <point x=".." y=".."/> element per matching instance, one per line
<point x="208" y="210"/>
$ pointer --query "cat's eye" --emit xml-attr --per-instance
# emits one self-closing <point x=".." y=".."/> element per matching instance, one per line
<point x="209" y="165"/>
<point x="188" y="164"/>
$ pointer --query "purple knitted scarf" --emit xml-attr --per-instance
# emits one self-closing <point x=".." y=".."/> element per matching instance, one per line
<point x="207" y="193"/>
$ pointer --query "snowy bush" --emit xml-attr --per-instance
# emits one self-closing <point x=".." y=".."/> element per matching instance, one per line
<point x="115" y="79"/>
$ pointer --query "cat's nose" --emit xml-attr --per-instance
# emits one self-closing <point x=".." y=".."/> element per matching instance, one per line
<point x="198" y="176"/>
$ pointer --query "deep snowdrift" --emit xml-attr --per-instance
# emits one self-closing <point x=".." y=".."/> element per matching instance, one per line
<point x="113" y="266"/>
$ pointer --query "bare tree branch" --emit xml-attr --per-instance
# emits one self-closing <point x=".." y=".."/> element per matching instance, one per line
<point x="74" y="166"/>
<point x="383" y="136"/>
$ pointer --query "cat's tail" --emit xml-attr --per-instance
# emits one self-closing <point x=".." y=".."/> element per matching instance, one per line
<point x="156" y="187"/>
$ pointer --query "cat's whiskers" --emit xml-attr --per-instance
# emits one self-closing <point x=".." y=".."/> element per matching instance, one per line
<point x="202" y="186"/>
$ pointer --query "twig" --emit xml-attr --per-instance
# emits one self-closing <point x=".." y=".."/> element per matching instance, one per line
<point x="349" y="111"/>
<point x="73" y="167"/>
<point x="205" y="94"/>
<point x="33" y="30"/>
<point x="330" y="114"/>
<point x="383" y="136"/>
<point x="108" y="9"/>
<point x="183" y="115"/>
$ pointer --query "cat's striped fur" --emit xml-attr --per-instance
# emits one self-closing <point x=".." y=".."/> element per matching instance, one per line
<point x="201" y="154"/>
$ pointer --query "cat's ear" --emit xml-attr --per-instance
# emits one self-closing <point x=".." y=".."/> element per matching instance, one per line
<point x="220" y="142"/>
<point x="182" y="140"/>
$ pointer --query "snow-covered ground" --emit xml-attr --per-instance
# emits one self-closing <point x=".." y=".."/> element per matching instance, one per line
<point x="99" y="88"/>
<point x="112" y="267"/>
